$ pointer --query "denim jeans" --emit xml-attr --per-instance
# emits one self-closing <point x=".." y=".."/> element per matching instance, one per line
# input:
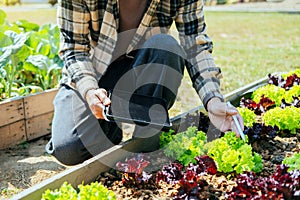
<point x="156" y="70"/>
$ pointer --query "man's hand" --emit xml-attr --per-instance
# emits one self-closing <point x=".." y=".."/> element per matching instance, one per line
<point x="220" y="115"/>
<point x="97" y="99"/>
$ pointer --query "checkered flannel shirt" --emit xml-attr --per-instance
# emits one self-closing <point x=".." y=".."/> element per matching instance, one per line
<point x="89" y="31"/>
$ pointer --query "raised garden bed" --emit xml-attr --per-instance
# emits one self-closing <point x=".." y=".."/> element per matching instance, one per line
<point x="26" y="118"/>
<point x="29" y="63"/>
<point x="90" y="170"/>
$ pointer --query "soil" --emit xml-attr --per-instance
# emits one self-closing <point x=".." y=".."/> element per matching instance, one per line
<point x="26" y="165"/>
<point x="273" y="151"/>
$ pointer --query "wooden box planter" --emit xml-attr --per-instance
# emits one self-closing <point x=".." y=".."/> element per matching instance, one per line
<point x="88" y="171"/>
<point x="25" y="118"/>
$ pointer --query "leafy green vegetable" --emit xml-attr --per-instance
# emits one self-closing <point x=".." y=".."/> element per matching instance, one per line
<point x="2" y="17"/>
<point x="26" y="25"/>
<point x="275" y="93"/>
<point x="293" y="92"/>
<point x="95" y="191"/>
<point x="233" y="154"/>
<point x="293" y="162"/>
<point x="285" y="119"/>
<point x="165" y="138"/>
<point x="66" y="191"/>
<point x="186" y="145"/>
<point x="296" y="71"/>
<point x="248" y="116"/>
<point x="86" y="192"/>
<point x="29" y="60"/>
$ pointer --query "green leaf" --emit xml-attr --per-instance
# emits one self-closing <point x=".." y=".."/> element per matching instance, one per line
<point x="26" y="25"/>
<point x="248" y="116"/>
<point x="37" y="63"/>
<point x="65" y="192"/>
<point x="18" y="40"/>
<point x="273" y="92"/>
<point x="10" y="27"/>
<point x="2" y="17"/>
<point x="40" y="43"/>
<point x="185" y="146"/>
<point x="5" y="40"/>
<point x="95" y="191"/>
<point x="4" y="58"/>
<point x="23" y="53"/>
<point x="292" y="161"/>
<point x="165" y="138"/>
<point x="29" y="89"/>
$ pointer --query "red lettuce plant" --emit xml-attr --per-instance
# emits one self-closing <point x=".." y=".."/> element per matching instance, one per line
<point x="190" y="182"/>
<point x="262" y="106"/>
<point x="281" y="185"/>
<point x="133" y="171"/>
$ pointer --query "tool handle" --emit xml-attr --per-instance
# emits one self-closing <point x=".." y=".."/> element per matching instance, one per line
<point x="237" y="124"/>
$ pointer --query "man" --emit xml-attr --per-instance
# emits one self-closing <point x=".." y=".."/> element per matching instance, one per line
<point x="122" y="44"/>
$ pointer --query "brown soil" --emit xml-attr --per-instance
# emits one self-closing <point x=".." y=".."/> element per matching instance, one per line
<point x="24" y="166"/>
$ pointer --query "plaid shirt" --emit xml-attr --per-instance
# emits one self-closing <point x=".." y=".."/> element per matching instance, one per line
<point x="89" y="31"/>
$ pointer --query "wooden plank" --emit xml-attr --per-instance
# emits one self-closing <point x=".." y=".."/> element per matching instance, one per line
<point x="12" y="134"/>
<point x="11" y="111"/>
<point x="38" y="126"/>
<point x="38" y="104"/>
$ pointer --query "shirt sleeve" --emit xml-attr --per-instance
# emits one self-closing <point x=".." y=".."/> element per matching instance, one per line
<point x="200" y="64"/>
<point x="73" y="18"/>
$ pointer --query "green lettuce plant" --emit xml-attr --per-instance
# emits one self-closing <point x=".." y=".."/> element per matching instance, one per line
<point x="293" y="161"/>
<point x="285" y="119"/>
<point x="94" y="190"/>
<point x="293" y="92"/>
<point x="165" y="138"/>
<point x="248" y="116"/>
<point x="233" y="154"/>
<point x="185" y="146"/>
<point x="296" y="71"/>
<point x="66" y="191"/>
<point x="273" y="92"/>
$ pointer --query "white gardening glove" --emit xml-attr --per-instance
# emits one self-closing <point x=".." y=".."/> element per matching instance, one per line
<point x="220" y="115"/>
<point x="97" y="100"/>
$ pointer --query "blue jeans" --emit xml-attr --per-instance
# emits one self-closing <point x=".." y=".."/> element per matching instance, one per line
<point x="156" y="70"/>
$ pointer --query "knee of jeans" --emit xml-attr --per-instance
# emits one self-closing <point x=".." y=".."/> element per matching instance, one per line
<point x="165" y="42"/>
<point x="71" y="153"/>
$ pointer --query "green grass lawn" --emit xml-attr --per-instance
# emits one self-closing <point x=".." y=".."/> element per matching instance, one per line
<point x="248" y="46"/>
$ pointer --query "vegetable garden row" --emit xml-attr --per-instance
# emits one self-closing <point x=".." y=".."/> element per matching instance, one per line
<point x="189" y="165"/>
<point x="29" y="61"/>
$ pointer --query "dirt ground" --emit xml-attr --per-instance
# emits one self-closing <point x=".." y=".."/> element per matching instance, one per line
<point x="26" y="165"/>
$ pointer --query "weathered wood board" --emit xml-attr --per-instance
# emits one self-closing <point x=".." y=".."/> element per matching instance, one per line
<point x="12" y="134"/>
<point x="25" y="118"/>
<point x="11" y="111"/>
